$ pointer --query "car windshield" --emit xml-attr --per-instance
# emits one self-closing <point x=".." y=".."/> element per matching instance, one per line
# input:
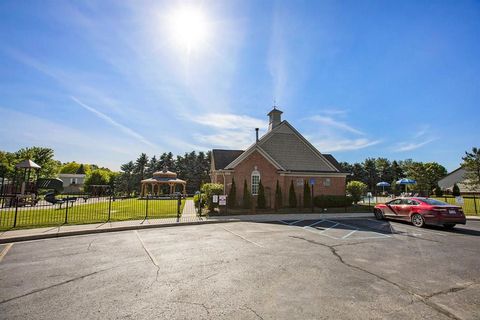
<point x="434" y="202"/>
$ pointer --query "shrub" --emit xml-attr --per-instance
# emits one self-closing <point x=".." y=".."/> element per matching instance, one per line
<point x="232" y="195"/>
<point x="356" y="189"/>
<point x="330" y="201"/>
<point x="292" y="197"/>
<point x="261" y="202"/>
<point x="247" y="198"/>
<point x="210" y="189"/>
<point x="438" y="191"/>
<point x="455" y="190"/>
<point x="307" y="196"/>
<point x="278" y="196"/>
<point x="197" y="197"/>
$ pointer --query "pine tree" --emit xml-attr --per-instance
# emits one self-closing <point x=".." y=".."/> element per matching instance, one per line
<point x="307" y="197"/>
<point x="278" y="197"/>
<point x="81" y="169"/>
<point x="261" y="202"/>
<point x="292" y="197"/>
<point x="247" y="198"/>
<point x="455" y="190"/>
<point x="232" y="195"/>
<point x="438" y="191"/>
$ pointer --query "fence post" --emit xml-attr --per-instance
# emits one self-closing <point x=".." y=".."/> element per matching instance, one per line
<point x="66" y="212"/>
<point x="475" y="203"/>
<point x="146" y="209"/>
<point x="179" y="204"/>
<point x="109" y="206"/>
<point x="200" y="203"/>
<point x="16" y="211"/>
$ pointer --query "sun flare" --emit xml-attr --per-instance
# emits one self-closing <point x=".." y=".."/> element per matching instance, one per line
<point x="189" y="27"/>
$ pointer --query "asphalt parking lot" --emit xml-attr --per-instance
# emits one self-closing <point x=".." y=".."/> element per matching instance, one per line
<point x="294" y="269"/>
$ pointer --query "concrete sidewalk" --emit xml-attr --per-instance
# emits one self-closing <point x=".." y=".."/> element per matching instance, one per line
<point x="72" y="230"/>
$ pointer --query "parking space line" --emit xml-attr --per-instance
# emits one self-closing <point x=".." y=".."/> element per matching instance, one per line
<point x="336" y="224"/>
<point x="236" y="234"/>
<point x="294" y="222"/>
<point x="315" y="223"/>
<point x="316" y="231"/>
<point x="5" y="250"/>
<point x="349" y="234"/>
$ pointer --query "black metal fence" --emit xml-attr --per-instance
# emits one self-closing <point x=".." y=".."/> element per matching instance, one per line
<point x="18" y="212"/>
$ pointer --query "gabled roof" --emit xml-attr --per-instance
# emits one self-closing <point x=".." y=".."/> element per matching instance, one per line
<point x="288" y="150"/>
<point x="333" y="161"/>
<point x="221" y="158"/>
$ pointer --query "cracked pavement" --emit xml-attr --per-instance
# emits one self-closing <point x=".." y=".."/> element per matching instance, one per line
<point x="246" y="270"/>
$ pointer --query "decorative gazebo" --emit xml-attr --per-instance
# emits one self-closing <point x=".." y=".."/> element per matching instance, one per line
<point x="160" y="178"/>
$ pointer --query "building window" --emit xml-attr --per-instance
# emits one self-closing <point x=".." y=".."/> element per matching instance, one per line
<point x="327" y="182"/>
<point x="73" y="180"/>
<point x="255" y="182"/>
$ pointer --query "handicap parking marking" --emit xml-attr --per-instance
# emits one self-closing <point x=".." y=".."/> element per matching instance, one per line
<point x="339" y="230"/>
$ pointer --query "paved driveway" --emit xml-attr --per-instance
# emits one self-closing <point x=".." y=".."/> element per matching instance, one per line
<point x="293" y="269"/>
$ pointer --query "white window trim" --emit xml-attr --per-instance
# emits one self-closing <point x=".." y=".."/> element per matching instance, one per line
<point x="255" y="173"/>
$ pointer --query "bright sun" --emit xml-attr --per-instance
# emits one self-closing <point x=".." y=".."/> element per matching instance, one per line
<point x="189" y="27"/>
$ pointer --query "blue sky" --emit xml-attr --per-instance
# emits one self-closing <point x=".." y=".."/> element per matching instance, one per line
<point x="102" y="81"/>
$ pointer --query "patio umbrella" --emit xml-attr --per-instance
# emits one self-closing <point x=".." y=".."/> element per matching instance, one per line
<point x="406" y="181"/>
<point x="383" y="184"/>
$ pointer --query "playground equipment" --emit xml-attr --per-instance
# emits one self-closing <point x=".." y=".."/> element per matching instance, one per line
<point x="22" y="189"/>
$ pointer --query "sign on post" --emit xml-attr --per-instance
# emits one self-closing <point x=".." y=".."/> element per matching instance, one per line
<point x="215" y="198"/>
<point x="312" y="181"/>
<point x="222" y="200"/>
<point x="459" y="200"/>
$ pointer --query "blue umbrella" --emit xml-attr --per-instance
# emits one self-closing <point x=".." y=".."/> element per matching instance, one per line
<point x="406" y="181"/>
<point x="383" y="184"/>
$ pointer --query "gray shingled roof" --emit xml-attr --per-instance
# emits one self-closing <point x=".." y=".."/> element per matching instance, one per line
<point x="292" y="152"/>
<point x="221" y="158"/>
<point x="456" y="176"/>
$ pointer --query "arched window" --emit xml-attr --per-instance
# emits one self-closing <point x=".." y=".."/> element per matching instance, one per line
<point x="255" y="181"/>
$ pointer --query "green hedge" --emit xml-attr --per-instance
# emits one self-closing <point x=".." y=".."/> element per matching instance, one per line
<point x="326" y="201"/>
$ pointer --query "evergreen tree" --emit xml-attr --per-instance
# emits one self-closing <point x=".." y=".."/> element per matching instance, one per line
<point x="247" y="198"/>
<point x="81" y="169"/>
<point x="307" y="196"/>
<point x="278" y="196"/>
<point x="232" y="195"/>
<point x="438" y="191"/>
<point x="292" y="197"/>
<point x="455" y="190"/>
<point x="471" y="164"/>
<point x="261" y="202"/>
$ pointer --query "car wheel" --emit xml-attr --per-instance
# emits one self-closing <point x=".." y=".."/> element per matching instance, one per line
<point x="449" y="225"/>
<point x="378" y="214"/>
<point x="418" y="220"/>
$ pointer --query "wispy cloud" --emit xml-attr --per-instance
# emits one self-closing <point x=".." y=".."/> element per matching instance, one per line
<point x="332" y="144"/>
<point x="418" y="139"/>
<point x="229" y="130"/>
<point x="114" y="123"/>
<point x="229" y="121"/>
<point x="329" y="121"/>
<point x="408" y="146"/>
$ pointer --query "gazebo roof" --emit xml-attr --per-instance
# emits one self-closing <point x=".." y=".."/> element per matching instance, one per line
<point x="163" y="180"/>
<point x="27" y="164"/>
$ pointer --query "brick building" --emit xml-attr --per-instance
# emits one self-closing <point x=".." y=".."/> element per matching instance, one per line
<point x="281" y="154"/>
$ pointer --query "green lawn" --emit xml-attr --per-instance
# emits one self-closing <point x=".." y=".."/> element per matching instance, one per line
<point x="93" y="211"/>
<point x="468" y="204"/>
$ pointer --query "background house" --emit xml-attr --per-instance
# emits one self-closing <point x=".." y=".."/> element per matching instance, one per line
<point x="456" y="176"/>
<point x="72" y="182"/>
<point x="282" y="155"/>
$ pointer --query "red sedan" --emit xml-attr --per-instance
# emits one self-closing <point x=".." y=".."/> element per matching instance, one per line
<point x="421" y="211"/>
